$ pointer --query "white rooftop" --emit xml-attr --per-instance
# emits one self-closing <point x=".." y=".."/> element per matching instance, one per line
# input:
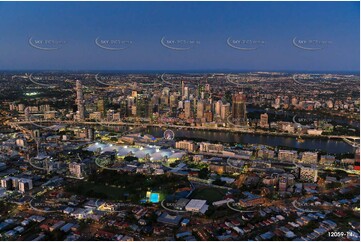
<point x="154" y="151"/>
<point x="195" y="204"/>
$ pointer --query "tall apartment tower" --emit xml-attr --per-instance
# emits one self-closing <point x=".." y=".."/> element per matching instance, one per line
<point x="225" y="111"/>
<point x="27" y="113"/>
<point x="182" y="89"/>
<point x="80" y="101"/>
<point x="217" y="108"/>
<point x="200" y="109"/>
<point x="187" y="109"/>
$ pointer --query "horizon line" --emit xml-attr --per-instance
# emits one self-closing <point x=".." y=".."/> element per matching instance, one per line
<point x="180" y="71"/>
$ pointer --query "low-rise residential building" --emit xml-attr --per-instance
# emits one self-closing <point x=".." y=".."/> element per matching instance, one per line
<point x="210" y="148"/>
<point x="266" y="154"/>
<point x="251" y="200"/>
<point x="309" y="157"/>
<point x="309" y="174"/>
<point x="287" y="155"/>
<point x="327" y="159"/>
<point x="186" y="145"/>
<point x="168" y="219"/>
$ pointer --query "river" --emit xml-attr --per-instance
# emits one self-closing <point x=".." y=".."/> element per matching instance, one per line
<point x="331" y="146"/>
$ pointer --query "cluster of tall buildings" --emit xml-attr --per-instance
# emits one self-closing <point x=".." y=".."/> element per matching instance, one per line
<point x="192" y="104"/>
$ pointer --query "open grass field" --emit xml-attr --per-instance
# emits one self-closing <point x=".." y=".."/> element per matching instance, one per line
<point x="208" y="193"/>
<point x="99" y="190"/>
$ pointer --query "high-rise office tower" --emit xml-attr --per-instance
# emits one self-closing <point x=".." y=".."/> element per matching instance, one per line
<point x="187" y="109"/>
<point x="172" y="101"/>
<point x="182" y="91"/>
<point x="208" y="116"/>
<point x="207" y="106"/>
<point x="186" y="93"/>
<point x="123" y="108"/>
<point x="225" y="111"/>
<point x="27" y="113"/>
<point x="217" y="108"/>
<point x="201" y="89"/>
<point x="131" y="101"/>
<point x="154" y="105"/>
<point x="165" y="99"/>
<point x="143" y="106"/>
<point x="200" y="109"/>
<point x="101" y="106"/>
<point x="239" y="112"/>
<point x="80" y="101"/>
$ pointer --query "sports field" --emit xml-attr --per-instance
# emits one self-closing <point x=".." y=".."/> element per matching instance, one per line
<point x="208" y="193"/>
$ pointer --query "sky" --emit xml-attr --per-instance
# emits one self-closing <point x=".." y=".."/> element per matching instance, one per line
<point x="180" y="36"/>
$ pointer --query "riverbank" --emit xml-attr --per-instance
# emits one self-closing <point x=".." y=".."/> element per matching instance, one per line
<point x="329" y="146"/>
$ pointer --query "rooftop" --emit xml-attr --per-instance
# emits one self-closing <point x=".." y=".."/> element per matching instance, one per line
<point x="154" y="152"/>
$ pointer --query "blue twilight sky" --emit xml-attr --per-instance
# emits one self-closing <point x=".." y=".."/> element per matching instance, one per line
<point x="204" y="27"/>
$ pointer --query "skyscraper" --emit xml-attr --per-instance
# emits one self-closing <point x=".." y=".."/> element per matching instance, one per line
<point x="187" y="109"/>
<point x="101" y="106"/>
<point x="143" y="105"/>
<point x="201" y="90"/>
<point x="217" y="109"/>
<point x="239" y="112"/>
<point x="186" y="93"/>
<point x="173" y="101"/>
<point x="182" y="91"/>
<point x="80" y="101"/>
<point x="27" y="113"/>
<point x="123" y="108"/>
<point x="200" y="109"/>
<point x="225" y="111"/>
